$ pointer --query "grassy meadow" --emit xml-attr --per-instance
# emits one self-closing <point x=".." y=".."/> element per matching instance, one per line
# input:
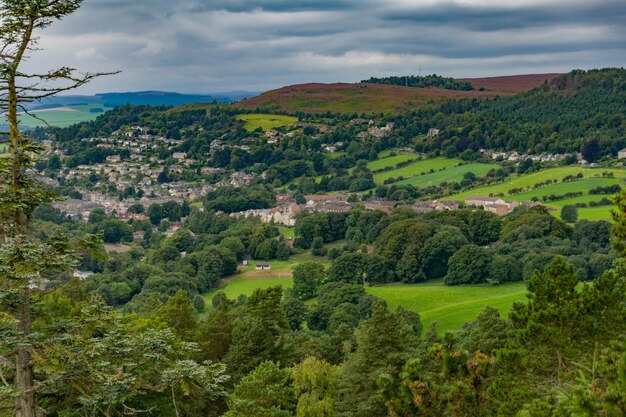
<point x="416" y="168"/>
<point x="390" y="161"/>
<point x="454" y="173"/>
<point x="450" y="306"/>
<point x="266" y="121"/>
<point x="246" y="286"/>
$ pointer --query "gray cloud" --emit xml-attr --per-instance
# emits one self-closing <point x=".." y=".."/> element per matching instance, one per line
<point x="218" y="45"/>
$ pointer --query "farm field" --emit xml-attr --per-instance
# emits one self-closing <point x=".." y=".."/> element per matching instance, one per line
<point x="416" y="168"/>
<point x="450" y="174"/>
<point x="529" y="180"/>
<point x="592" y="179"/>
<point x="266" y="121"/>
<point x="390" y="161"/>
<point x="450" y="306"/>
<point x="63" y="118"/>
<point x="246" y="286"/>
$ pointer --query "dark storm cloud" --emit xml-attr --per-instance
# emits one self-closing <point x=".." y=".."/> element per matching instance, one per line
<point x="494" y="18"/>
<point x="212" y="45"/>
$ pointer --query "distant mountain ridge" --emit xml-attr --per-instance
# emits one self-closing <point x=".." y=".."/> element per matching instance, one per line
<point x="152" y="98"/>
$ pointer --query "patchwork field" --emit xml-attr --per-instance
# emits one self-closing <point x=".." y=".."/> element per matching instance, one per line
<point x="390" y="161"/>
<point x="416" y="168"/>
<point x="450" y="174"/>
<point x="592" y="178"/>
<point x="266" y="121"/>
<point x="449" y="306"/>
<point x="64" y="116"/>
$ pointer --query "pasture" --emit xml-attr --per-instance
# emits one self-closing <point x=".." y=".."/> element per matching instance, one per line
<point x="450" y="174"/>
<point x="235" y="287"/>
<point x="592" y="178"/>
<point x="416" y="168"/>
<point x="450" y="306"/>
<point x="527" y="181"/>
<point x="265" y="121"/>
<point x="63" y="117"/>
<point x="390" y="161"/>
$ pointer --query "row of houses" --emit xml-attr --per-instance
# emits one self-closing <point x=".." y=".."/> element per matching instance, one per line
<point x="286" y="210"/>
<point x="497" y="205"/>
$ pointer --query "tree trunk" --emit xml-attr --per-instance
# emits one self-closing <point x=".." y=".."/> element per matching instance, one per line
<point x="25" y="403"/>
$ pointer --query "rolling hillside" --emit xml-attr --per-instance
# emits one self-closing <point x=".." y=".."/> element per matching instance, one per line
<point x="351" y="98"/>
<point x="510" y="83"/>
<point x="377" y="98"/>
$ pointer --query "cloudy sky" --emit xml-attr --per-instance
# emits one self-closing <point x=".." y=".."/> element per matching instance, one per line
<point x="221" y="45"/>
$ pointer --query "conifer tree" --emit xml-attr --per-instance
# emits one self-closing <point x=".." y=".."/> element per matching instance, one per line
<point x="265" y="392"/>
<point x="25" y="261"/>
<point x="384" y="343"/>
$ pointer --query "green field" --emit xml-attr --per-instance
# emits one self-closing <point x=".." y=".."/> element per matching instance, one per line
<point x="288" y="232"/>
<point x="592" y="178"/>
<point x="334" y="155"/>
<point x="529" y="180"/>
<point x="417" y="168"/>
<point x="266" y="121"/>
<point x="450" y="174"/>
<point x="240" y="285"/>
<point x="63" y="118"/>
<point x="449" y="306"/>
<point x="390" y="161"/>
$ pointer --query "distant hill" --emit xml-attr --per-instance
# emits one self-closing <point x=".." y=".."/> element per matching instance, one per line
<point x="152" y="98"/>
<point x="382" y="98"/>
<point x="510" y="83"/>
<point x="63" y="111"/>
<point x="351" y="98"/>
